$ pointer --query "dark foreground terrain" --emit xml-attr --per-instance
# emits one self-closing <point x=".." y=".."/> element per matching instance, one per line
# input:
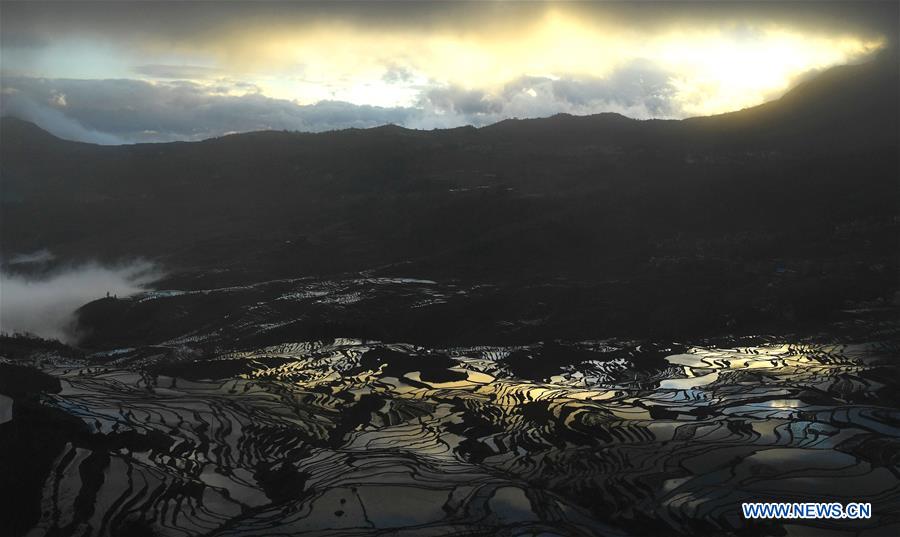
<point x="200" y="434"/>
<point x="566" y="326"/>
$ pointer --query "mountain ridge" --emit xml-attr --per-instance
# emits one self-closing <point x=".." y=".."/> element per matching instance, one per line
<point x="784" y="211"/>
<point x="882" y="67"/>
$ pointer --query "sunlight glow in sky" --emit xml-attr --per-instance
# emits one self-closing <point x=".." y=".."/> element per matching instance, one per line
<point x="432" y="74"/>
<point x="714" y="70"/>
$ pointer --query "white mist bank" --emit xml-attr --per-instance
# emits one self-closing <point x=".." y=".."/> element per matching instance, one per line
<point x="45" y="306"/>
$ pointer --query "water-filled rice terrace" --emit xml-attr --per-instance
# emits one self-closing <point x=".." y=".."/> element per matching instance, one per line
<point x="351" y="437"/>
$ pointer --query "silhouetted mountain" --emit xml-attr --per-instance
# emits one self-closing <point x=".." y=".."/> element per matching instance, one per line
<point x="777" y="213"/>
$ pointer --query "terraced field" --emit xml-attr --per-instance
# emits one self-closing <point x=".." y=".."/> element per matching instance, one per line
<point x="355" y="437"/>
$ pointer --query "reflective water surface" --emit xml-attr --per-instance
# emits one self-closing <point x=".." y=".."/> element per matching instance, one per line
<point x="348" y="437"/>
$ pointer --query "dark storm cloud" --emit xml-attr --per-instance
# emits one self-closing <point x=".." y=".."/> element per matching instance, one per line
<point x="462" y="101"/>
<point x="640" y="89"/>
<point x="123" y="111"/>
<point x="202" y="91"/>
<point x="45" y="113"/>
<point x="126" y="111"/>
<point x="33" y="24"/>
<point x="639" y="84"/>
<point x="36" y="24"/>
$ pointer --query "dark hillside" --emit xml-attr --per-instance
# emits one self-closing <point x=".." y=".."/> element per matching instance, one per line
<point x="778" y="213"/>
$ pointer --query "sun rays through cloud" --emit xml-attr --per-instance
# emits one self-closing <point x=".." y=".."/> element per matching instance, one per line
<point x="473" y="66"/>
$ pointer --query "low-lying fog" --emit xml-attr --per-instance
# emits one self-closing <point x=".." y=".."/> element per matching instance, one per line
<point x="44" y="305"/>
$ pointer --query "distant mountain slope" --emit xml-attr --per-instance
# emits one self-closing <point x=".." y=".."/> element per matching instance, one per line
<point x="851" y="107"/>
<point x="689" y="210"/>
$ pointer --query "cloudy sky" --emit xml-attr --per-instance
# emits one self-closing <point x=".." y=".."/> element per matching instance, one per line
<point x="160" y="71"/>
